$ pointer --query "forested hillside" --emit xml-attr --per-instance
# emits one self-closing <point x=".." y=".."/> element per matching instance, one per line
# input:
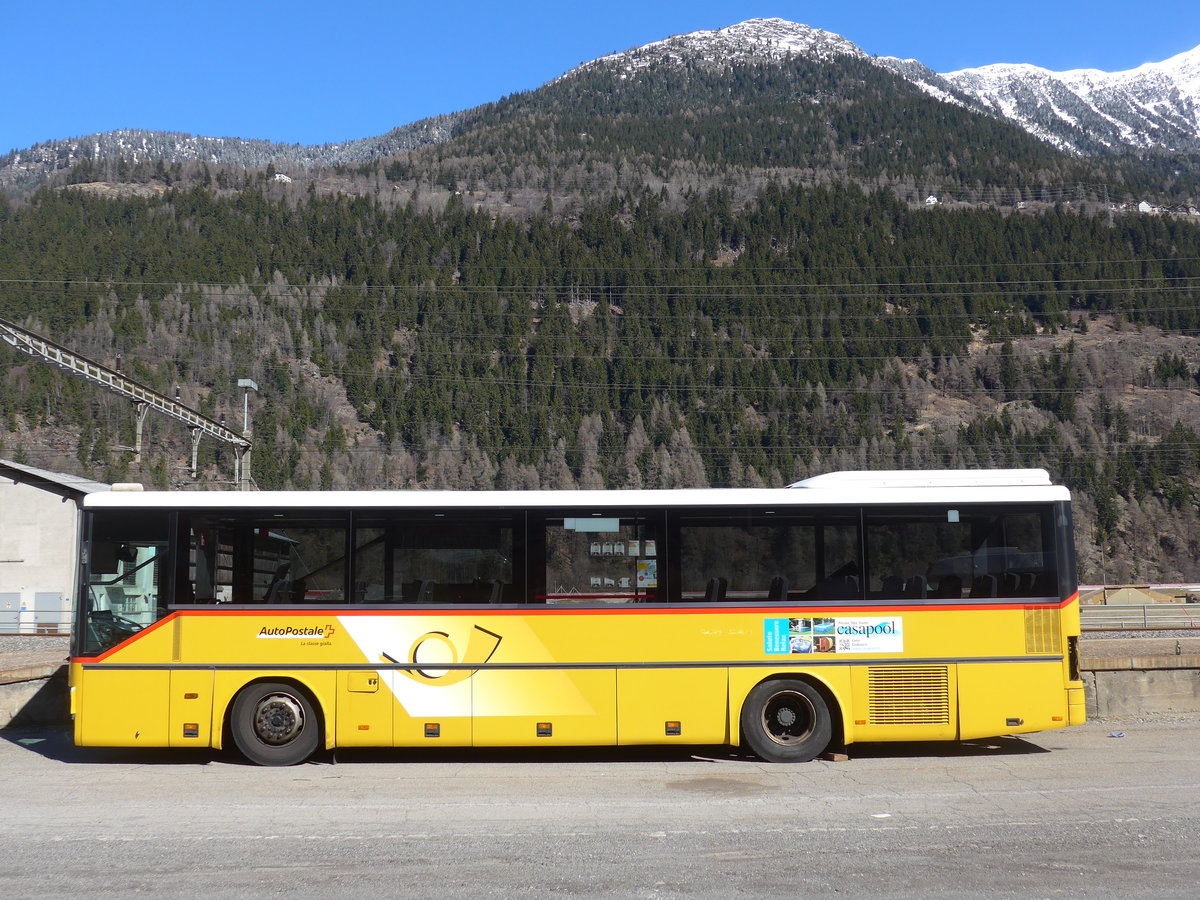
<point x="690" y="127"/>
<point x="646" y="339"/>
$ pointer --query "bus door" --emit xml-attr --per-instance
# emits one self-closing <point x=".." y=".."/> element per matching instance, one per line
<point x="583" y="566"/>
<point x="123" y="591"/>
<point x="444" y="576"/>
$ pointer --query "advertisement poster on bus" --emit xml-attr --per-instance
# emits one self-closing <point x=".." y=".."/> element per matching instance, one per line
<point x="859" y="634"/>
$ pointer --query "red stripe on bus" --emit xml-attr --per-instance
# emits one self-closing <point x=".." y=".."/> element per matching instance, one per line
<point x="773" y="611"/>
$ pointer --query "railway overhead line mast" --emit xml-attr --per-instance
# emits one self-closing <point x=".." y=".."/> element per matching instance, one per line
<point x="143" y="398"/>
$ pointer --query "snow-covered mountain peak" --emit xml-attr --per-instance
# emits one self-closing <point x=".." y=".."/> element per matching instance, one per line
<point x="1156" y="105"/>
<point x="999" y="70"/>
<point x="755" y="39"/>
<point x="1184" y="69"/>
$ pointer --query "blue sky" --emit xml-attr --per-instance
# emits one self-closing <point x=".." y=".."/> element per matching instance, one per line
<point x="315" y="72"/>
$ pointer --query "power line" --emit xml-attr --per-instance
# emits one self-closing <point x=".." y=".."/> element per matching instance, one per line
<point x="884" y="443"/>
<point x="835" y="290"/>
<point x="916" y="387"/>
<point x="640" y="268"/>
<point x="736" y="317"/>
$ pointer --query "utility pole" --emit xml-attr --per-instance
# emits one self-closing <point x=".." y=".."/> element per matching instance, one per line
<point x="143" y="398"/>
<point x="243" y="455"/>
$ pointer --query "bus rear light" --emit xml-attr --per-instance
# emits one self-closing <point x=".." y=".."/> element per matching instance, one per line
<point x="433" y="729"/>
<point x="674" y="728"/>
<point x="545" y="729"/>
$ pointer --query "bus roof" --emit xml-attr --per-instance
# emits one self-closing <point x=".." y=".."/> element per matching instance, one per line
<point x="839" y="488"/>
<point x="928" y="478"/>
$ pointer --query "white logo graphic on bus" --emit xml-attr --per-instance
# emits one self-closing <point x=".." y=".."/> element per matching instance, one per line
<point x="480" y="647"/>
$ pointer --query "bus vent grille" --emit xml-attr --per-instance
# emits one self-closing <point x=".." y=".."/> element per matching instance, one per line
<point x="1042" y="631"/>
<point x="909" y="695"/>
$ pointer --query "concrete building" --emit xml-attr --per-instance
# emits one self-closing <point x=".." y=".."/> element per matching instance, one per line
<point x="39" y="533"/>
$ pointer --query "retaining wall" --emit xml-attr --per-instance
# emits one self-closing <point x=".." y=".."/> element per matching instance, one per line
<point x="1142" y="685"/>
<point x="33" y="695"/>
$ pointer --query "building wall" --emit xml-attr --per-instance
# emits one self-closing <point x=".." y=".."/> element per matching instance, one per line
<point x="39" y="532"/>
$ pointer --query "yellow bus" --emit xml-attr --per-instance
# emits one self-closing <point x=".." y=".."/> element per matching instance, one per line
<point x="854" y="606"/>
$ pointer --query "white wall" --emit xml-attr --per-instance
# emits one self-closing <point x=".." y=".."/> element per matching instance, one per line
<point x="38" y="536"/>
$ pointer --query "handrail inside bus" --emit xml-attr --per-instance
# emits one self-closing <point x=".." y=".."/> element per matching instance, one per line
<point x="121" y="576"/>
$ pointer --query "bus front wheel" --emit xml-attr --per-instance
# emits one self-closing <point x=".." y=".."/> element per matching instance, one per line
<point x="275" y="724"/>
<point x="786" y="720"/>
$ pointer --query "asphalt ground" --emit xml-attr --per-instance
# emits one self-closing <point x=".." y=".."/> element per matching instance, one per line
<point x="1096" y="810"/>
<point x="1111" y="808"/>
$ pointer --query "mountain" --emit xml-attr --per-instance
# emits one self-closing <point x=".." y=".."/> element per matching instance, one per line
<point x="756" y="40"/>
<point x="689" y="114"/>
<point x="1153" y="107"/>
<point x="811" y="76"/>
<point x="28" y="167"/>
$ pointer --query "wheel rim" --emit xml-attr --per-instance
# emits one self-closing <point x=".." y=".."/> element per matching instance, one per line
<point x="788" y="717"/>
<point x="278" y="719"/>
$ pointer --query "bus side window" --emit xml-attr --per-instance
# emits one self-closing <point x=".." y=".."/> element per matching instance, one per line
<point x="766" y="556"/>
<point x="247" y="560"/>
<point x="975" y="553"/>
<point x="435" y="558"/>
<point x="595" y="558"/>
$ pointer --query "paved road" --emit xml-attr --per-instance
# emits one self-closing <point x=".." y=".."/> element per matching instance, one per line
<point x="1075" y="812"/>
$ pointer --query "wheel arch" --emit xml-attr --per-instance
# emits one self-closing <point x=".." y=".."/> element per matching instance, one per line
<point x="836" y="700"/>
<point x="321" y="694"/>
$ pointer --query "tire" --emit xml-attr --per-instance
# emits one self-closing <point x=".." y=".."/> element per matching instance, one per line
<point x="275" y="724"/>
<point x="786" y="720"/>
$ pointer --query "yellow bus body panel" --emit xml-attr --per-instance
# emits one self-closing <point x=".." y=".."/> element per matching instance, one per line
<point x="364" y="709"/>
<point x="1010" y="699"/>
<point x="191" y="708"/>
<point x="693" y="701"/>
<point x="123" y="708"/>
<point x="522" y="707"/>
<point x="534" y="676"/>
<point x="429" y="713"/>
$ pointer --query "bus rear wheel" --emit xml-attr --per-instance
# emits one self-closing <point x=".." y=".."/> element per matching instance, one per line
<point x="786" y="720"/>
<point x="275" y="724"/>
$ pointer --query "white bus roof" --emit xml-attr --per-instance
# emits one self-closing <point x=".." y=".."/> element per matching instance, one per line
<point x="912" y="478"/>
<point x="839" y="488"/>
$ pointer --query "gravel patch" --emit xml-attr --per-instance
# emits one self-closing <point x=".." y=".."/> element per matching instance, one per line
<point x="34" y="643"/>
<point x="1110" y="644"/>
<point x="19" y="652"/>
